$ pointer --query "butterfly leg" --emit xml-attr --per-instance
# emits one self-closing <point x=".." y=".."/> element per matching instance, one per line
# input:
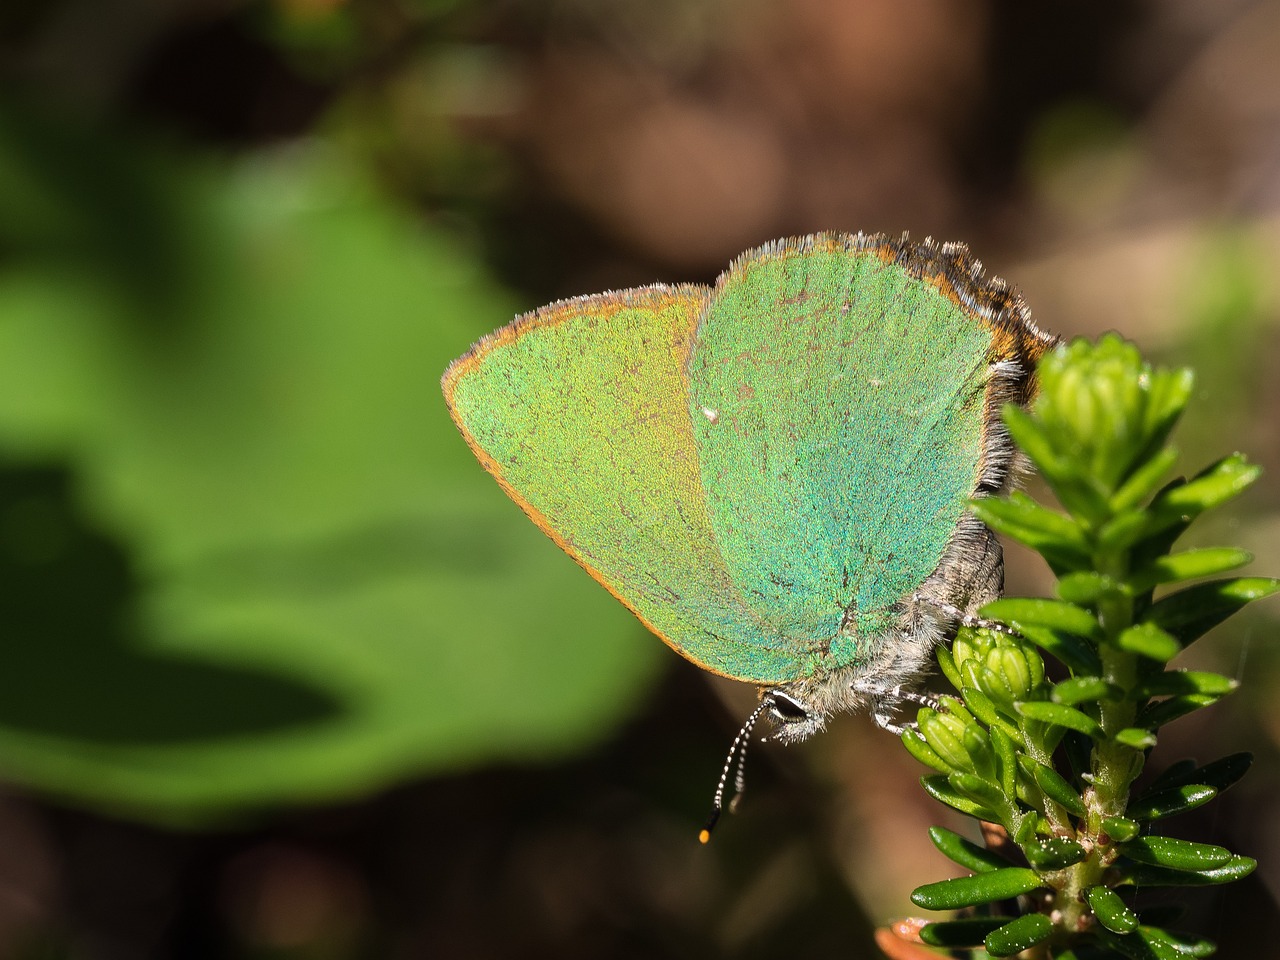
<point x="919" y="699"/>
<point x="887" y="700"/>
<point x="885" y="722"/>
<point x="954" y="613"/>
<point x="895" y="695"/>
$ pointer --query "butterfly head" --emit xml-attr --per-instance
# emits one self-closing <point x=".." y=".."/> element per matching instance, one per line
<point x="794" y="717"/>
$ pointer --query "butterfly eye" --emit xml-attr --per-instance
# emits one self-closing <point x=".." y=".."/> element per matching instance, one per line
<point x="786" y="709"/>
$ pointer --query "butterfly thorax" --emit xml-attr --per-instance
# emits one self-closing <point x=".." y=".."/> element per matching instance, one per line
<point x="861" y="672"/>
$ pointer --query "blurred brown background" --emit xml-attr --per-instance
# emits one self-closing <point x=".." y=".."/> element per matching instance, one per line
<point x="1118" y="161"/>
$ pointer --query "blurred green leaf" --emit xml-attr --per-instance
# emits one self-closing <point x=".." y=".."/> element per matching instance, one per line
<point x="1214" y="486"/>
<point x="1144" y="481"/>
<point x="1189" y="613"/>
<point x="1177" y="772"/>
<point x="1157" y="714"/>
<point x="1037" y="526"/>
<point x="1087" y="587"/>
<point x="1080" y="689"/>
<point x="1050" y="614"/>
<point x="1135" y="738"/>
<point x="1170" y="682"/>
<point x="1188" y="565"/>
<point x="282" y="576"/>
<point x="1148" y="640"/>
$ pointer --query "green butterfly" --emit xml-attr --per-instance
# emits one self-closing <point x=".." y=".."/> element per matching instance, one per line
<point x="772" y="473"/>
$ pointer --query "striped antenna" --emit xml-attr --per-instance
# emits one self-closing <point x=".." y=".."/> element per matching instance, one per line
<point x="737" y="756"/>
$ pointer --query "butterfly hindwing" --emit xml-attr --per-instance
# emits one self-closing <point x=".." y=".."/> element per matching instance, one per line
<point x="848" y="430"/>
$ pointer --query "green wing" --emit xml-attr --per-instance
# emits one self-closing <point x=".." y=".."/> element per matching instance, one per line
<point x="757" y="468"/>
<point x="581" y="411"/>
<point x="849" y="401"/>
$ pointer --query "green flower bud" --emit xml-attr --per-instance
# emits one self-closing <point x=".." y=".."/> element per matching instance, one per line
<point x="977" y="744"/>
<point x="1103" y="408"/>
<point x="944" y="732"/>
<point x="1020" y="667"/>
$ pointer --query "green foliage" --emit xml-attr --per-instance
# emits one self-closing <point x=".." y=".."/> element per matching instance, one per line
<point x="246" y="558"/>
<point x="1053" y="764"/>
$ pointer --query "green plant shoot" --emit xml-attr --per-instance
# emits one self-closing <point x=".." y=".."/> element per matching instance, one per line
<point x="1053" y="764"/>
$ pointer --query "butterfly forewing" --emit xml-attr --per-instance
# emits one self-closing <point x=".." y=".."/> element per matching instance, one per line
<point x="581" y="411"/>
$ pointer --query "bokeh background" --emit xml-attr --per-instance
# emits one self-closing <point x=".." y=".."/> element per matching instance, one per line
<point x="284" y="675"/>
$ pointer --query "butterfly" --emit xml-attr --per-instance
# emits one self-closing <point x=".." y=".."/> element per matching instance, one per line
<point x="773" y="473"/>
